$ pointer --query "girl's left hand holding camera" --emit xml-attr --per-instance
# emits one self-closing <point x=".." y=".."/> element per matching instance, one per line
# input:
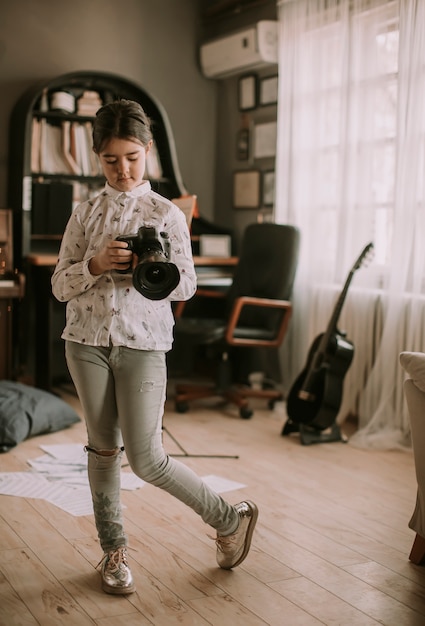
<point x="114" y="256"/>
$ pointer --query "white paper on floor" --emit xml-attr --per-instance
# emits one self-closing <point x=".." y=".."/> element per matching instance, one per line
<point x="221" y="485"/>
<point x="73" y="500"/>
<point x="60" y="477"/>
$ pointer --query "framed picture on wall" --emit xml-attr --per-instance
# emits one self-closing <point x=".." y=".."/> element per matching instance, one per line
<point x="268" y="90"/>
<point x="265" y="140"/>
<point x="268" y="188"/>
<point x="246" y="189"/>
<point x="247" y="94"/>
<point x="242" y="145"/>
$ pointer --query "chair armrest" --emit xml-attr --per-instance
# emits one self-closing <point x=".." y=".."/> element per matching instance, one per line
<point x="284" y="305"/>
<point x="205" y="293"/>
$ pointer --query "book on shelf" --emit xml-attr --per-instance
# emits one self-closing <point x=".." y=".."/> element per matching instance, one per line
<point x="68" y="150"/>
<point x="52" y="158"/>
<point x="89" y="103"/>
<point x="60" y="206"/>
<point x="95" y="167"/>
<point x="35" y="145"/>
<point x="52" y="204"/>
<point x="66" y="147"/>
<point x="83" y="156"/>
<point x="73" y="143"/>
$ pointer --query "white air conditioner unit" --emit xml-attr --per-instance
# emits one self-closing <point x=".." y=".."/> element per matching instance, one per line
<point x="237" y="52"/>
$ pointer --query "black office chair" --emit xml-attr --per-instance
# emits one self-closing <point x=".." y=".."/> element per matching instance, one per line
<point x="256" y="311"/>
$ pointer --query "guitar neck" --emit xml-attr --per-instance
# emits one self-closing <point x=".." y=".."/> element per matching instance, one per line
<point x="333" y="322"/>
<point x="325" y="341"/>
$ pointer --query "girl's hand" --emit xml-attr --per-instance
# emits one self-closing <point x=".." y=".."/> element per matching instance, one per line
<point x="114" y="256"/>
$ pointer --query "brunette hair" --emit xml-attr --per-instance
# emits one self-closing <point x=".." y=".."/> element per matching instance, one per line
<point x="121" y="119"/>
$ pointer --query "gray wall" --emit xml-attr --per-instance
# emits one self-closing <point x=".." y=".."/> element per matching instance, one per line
<point x="230" y="120"/>
<point x="153" y="43"/>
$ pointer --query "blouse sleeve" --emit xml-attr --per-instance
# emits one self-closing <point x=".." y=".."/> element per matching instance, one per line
<point x="72" y="276"/>
<point x="181" y="255"/>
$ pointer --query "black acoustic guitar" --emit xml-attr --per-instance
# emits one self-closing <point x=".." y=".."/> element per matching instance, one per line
<point x="315" y="397"/>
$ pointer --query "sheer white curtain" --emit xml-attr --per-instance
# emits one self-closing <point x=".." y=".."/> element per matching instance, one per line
<point x="350" y="170"/>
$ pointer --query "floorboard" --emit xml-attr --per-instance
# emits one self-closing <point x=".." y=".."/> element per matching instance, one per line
<point x="331" y="545"/>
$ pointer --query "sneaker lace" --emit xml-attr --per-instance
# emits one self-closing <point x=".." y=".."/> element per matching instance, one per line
<point x="224" y="544"/>
<point x="115" y="559"/>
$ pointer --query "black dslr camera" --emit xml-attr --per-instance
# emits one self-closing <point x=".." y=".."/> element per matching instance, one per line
<point x="154" y="276"/>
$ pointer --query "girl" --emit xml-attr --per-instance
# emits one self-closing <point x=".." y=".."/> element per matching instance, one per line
<point x="116" y="341"/>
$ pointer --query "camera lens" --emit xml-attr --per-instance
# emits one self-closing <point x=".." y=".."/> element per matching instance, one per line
<point x="155" y="280"/>
<point x="155" y="274"/>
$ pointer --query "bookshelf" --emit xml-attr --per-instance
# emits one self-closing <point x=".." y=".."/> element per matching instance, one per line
<point x="51" y="164"/>
<point x="50" y="170"/>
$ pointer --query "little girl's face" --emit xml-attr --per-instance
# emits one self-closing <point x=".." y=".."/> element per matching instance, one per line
<point x="123" y="162"/>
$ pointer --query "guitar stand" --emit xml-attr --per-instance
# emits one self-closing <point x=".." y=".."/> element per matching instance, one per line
<point x="195" y="456"/>
<point x="310" y="435"/>
<point x="289" y="428"/>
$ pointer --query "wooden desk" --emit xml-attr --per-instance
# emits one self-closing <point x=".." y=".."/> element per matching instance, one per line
<point x="49" y="314"/>
<point x="15" y="290"/>
<point x="215" y="261"/>
<point x="201" y="261"/>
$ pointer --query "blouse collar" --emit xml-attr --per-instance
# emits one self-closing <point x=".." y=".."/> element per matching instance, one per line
<point x="137" y="192"/>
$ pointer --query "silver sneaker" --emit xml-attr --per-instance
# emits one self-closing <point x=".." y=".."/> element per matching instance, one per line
<point x="233" y="549"/>
<point x="116" y="574"/>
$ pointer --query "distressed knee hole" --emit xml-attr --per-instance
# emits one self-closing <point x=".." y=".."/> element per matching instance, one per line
<point x="114" y="452"/>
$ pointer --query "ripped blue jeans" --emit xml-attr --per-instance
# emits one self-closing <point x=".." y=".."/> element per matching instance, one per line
<point x="122" y="393"/>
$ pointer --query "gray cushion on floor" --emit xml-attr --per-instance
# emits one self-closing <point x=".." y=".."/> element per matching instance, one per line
<point x="27" y="411"/>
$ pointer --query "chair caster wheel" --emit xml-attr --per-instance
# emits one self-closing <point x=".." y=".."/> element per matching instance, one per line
<point x="181" y="407"/>
<point x="245" y="412"/>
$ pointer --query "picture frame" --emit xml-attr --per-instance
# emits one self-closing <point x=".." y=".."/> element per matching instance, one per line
<point x="247" y="92"/>
<point x="265" y="135"/>
<point x="268" y="90"/>
<point x="268" y="188"/>
<point x="246" y="189"/>
<point x="243" y="144"/>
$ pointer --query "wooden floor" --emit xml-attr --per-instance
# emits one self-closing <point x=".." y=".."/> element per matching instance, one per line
<point x="331" y="547"/>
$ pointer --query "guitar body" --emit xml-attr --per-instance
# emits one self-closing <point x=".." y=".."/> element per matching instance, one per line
<point x="315" y="399"/>
<point x="318" y="404"/>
